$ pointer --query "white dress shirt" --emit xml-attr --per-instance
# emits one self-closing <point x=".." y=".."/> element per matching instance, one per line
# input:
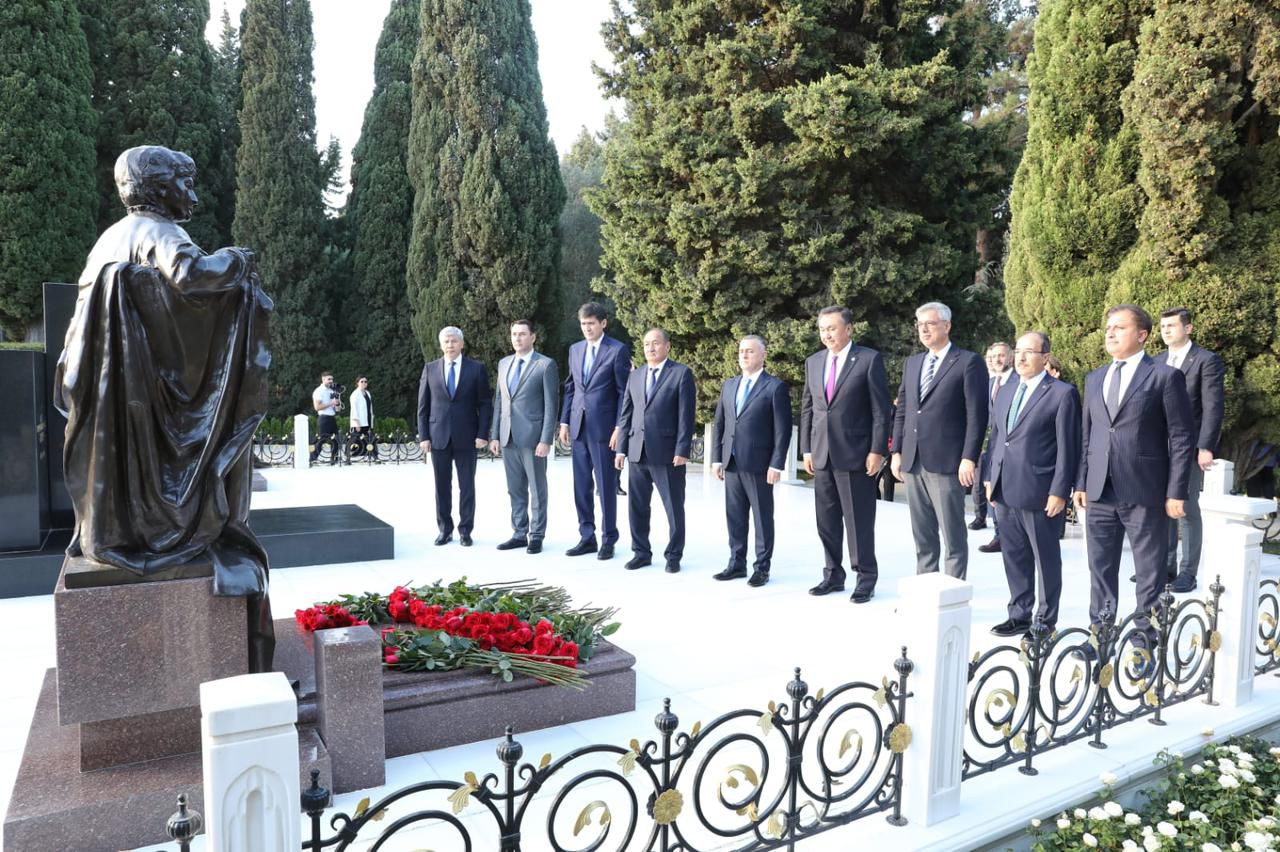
<point x="941" y="355"/>
<point x="1126" y="375"/>
<point x="1178" y="357"/>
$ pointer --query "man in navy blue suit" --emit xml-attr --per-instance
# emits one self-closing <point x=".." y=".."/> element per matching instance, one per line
<point x="454" y="411"/>
<point x="1204" y="373"/>
<point x="844" y="435"/>
<point x="1135" y="462"/>
<point x="751" y="435"/>
<point x="1033" y="455"/>
<point x="937" y="438"/>
<point x="593" y="390"/>
<point x="656" y="428"/>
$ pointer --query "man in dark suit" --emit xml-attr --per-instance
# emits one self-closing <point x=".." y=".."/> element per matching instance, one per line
<point x="751" y="435"/>
<point x="937" y="438"/>
<point x="999" y="370"/>
<point x="454" y="412"/>
<point x="593" y="391"/>
<point x="1135" y="462"/>
<point x="657" y="437"/>
<point x="1033" y="456"/>
<point x="1204" y="373"/>
<point x="844" y="435"/>
<point x="524" y="422"/>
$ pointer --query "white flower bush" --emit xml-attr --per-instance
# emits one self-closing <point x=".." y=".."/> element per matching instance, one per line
<point x="1229" y="800"/>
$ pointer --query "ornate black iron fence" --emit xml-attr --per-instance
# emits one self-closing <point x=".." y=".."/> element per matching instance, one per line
<point x="395" y="448"/>
<point x="838" y="758"/>
<point x="1056" y="688"/>
<point x="1267" y="651"/>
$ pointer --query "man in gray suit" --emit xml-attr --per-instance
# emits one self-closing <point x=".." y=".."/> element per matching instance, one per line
<point x="524" y="421"/>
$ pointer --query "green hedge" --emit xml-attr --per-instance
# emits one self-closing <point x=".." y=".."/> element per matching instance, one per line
<point x="22" y="345"/>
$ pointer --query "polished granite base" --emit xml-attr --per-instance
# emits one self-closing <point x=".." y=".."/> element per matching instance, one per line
<point x="305" y="535"/>
<point x="426" y="711"/>
<point x="55" y="807"/>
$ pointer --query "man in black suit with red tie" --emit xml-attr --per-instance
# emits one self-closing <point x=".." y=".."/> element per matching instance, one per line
<point x="1135" y="462"/>
<point x="1033" y="456"/>
<point x="656" y="428"/>
<point x="749" y="442"/>
<point x="454" y="412"/>
<point x="937" y="438"/>
<point x="1204" y="373"/>
<point x="844" y="435"/>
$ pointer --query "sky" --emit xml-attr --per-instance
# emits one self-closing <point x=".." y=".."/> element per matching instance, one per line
<point x="346" y="34"/>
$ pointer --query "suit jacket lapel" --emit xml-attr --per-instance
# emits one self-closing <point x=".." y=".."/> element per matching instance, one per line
<point x="1140" y="374"/>
<point x="595" y="367"/>
<point x="952" y="357"/>
<point x="1041" y="391"/>
<point x="1185" y="366"/>
<point x="755" y="392"/>
<point x="524" y="374"/>
<point x="844" y="374"/>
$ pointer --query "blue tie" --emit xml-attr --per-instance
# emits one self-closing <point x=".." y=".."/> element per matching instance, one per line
<point x="1015" y="408"/>
<point x="588" y="362"/>
<point x="514" y="381"/>
<point x="653" y="382"/>
<point x="451" y="384"/>
<point x="742" y="396"/>
<point x="928" y="375"/>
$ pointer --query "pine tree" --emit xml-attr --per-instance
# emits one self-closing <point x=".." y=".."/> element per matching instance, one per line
<point x="484" y="248"/>
<point x="48" y="205"/>
<point x="780" y="157"/>
<point x="154" y="85"/>
<point x="226" y="90"/>
<point x="279" y="185"/>
<point x="376" y="314"/>
<point x="1150" y="176"/>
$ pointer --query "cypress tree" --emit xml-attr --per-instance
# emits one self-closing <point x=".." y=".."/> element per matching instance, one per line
<point x="376" y="316"/>
<point x="47" y="199"/>
<point x="226" y="90"/>
<point x="780" y="157"/>
<point x="1150" y="177"/>
<point x="154" y="85"/>
<point x="484" y="248"/>
<point x="279" y="185"/>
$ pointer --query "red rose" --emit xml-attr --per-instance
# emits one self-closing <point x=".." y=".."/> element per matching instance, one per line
<point x="390" y="658"/>
<point x="524" y="635"/>
<point x="543" y="644"/>
<point x="453" y="624"/>
<point x="545" y="626"/>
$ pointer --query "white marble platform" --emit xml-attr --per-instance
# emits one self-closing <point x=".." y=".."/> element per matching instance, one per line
<point x="709" y="646"/>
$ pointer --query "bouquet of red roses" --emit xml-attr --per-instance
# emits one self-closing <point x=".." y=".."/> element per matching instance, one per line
<point x="507" y="628"/>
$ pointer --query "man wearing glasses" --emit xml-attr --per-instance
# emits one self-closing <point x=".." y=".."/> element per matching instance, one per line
<point x="1032" y="460"/>
<point x="937" y="438"/>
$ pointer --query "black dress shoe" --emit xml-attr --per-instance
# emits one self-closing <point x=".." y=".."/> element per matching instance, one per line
<point x="464" y="540"/>
<point x="444" y="538"/>
<point x="587" y="545"/>
<point x="862" y="595"/>
<point x="1011" y="627"/>
<point x="978" y="524"/>
<point x="513" y="543"/>
<point x="637" y="562"/>
<point x="826" y="587"/>
<point x="1185" y="583"/>
<point x="673" y="566"/>
<point x="758" y="578"/>
<point x="535" y="546"/>
<point x="730" y="574"/>
<point x="992" y="546"/>
<point x="606" y="552"/>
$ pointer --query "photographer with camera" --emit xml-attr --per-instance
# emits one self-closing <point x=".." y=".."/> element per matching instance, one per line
<point x="327" y="401"/>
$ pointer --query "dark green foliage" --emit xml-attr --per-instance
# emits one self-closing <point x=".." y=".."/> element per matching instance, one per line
<point x="154" y="85"/>
<point x="375" y="320"/>
<point x="226" y="90"/>
<point x="48" y="205"/>
<point x="485" y="247"/>
<point x="1151" y="176"/>
<point x="780" y="157"/>
<point x="279" y="204"/>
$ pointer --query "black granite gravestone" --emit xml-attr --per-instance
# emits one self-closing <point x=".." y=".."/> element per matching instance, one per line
<point x="24" y="451"/>
<point x="59" y="306"/>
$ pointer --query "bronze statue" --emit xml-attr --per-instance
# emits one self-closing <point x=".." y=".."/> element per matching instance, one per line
<point x="163" y="380"/>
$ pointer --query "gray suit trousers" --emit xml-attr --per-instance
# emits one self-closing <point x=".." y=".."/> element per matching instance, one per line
<point x="936" y="501"/>
<point x="1191" y="527"/>
<point x="528" y="504"/>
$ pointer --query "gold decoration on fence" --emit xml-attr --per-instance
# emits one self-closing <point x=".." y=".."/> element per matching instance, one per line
<point x="1215" y="641"/>
<point x="773" y="827"/>
<point x="750" y="811"/>
<point x="363" y="806"/>
<point x="847" y="742"/>
<point x="998" y="697"/>
<point x="628" y="760"/>
<point x="461" y="797"/>
<point x="1151" y="697"/>
<point x="882" y="694"/>
<point x="821" y="692"/>
<point x="766" y="719"/>
<point x="668" y="806"/>
<point x="697" y="727"/>
<point x="747" y="773"/>
<point x="1268" y="619"/>
<point x="584" y="818"/>
<point x="1105" y="675"/>
<point x="1018" y="743"/>
<point x="900" y="738"/>
<point x="1078" y="674"/>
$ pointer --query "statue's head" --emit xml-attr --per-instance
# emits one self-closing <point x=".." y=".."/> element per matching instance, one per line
<point x="154" y="178"/>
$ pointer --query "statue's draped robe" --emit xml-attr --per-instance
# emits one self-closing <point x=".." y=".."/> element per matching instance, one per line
<point x="163" y="382"/>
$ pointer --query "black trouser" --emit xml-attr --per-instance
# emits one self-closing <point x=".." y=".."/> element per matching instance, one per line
<point x="362" y="441"/>
<point x="327" y="429"/>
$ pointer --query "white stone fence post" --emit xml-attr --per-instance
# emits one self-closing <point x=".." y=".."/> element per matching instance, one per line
<point x="249" y="740"/>
<point x="301" y="442"/>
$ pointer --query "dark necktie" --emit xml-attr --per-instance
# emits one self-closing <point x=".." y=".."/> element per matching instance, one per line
<point x="928" y="375"/>
<point x="1016" y="408"/>
<point x="514" y="381"/>
<point x="452" y="383"/>
<point x="653" y="383"/>
<point x="1113" y="390"/>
